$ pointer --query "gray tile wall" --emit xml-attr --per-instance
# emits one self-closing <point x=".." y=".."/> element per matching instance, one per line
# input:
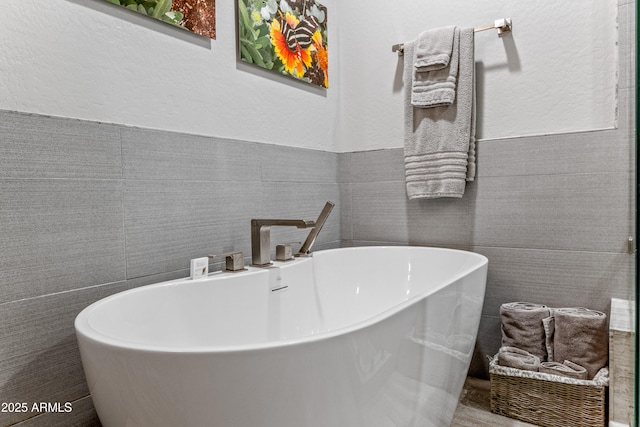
<point x="552" y="213"/>
<point x="89" y="209"/>
<point x="555" y="230"/>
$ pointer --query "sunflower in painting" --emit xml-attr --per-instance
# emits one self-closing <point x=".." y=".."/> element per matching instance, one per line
<point x="320" y="73"/>
<point x="295" y="59"/>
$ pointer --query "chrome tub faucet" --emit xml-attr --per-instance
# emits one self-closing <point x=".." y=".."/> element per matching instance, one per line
<point x="261" y="235"/>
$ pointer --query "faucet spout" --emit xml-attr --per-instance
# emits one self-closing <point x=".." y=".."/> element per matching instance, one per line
<point x="299" y="223"/>
<point x="261" y="237"/>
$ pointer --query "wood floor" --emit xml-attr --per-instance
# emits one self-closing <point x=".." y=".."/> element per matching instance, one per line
<point x="474" y="409"/>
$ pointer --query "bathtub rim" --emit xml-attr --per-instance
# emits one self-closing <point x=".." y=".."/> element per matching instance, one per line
<point x="84" y="330"/>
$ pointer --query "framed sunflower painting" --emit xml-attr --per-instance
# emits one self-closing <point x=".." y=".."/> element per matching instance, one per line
<point x="285" y="36"/>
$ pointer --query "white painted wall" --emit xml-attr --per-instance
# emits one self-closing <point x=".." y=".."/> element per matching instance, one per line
<point x="88" y="60"/>
<point x="555" y="73"/>
<point x="92" y="60"/>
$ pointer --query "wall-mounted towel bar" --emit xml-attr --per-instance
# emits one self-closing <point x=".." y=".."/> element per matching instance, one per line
<point x="502" y="25"/>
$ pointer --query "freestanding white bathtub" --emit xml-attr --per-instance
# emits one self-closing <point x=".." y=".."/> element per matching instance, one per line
<point x="355" y="337"/>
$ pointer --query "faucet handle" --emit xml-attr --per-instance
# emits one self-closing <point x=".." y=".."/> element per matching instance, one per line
<point x="311" y="238"/>
<point x="284" y="251"/>
<point x="234" y="261"/>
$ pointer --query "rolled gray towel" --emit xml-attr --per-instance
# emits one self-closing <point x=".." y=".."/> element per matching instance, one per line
<point x="566" y="369"/>
<point x="581" y="336"/>
<point x="522" y="327"/>
<point x="516" y="358"/>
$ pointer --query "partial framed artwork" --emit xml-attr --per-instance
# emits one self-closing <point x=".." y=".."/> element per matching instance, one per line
<point x="285" y="36"/>
<point x="198" y="16"/>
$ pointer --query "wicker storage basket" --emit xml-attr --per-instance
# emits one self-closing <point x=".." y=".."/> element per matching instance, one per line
<point x="548" y="400"/>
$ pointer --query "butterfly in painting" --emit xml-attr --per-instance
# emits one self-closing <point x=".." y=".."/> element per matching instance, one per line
<point x="302" y="34"/>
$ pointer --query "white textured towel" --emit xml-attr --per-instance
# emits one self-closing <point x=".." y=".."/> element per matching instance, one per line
<point x="439" y="142"/>
<point x="434" y="85"/>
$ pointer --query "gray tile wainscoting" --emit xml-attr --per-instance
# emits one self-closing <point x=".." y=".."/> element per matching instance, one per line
<point x="90" y="209"/>
<point x="552" y="213"/>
